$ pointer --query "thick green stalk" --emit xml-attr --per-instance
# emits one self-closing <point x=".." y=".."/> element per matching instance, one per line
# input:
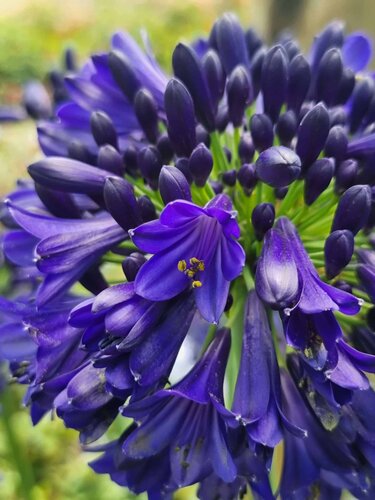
<point x="220" y="160"/>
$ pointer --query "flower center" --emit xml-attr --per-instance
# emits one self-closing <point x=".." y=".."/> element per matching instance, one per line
<point x="195" y="266"/>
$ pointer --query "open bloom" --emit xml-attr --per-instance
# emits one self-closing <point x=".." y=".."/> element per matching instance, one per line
<point x="192" y="246"/>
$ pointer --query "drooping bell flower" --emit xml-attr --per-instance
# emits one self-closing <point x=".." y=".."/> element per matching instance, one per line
<point x="199" y="440"/>
<point x="192" y="246"/>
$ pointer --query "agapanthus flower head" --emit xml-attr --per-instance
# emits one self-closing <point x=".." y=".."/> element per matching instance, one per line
<point x="195" y="254"/>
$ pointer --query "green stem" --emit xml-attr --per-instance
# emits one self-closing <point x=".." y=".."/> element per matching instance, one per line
<point x="220" y="160"/>
<point x="291" y="198"/>
<point x="15" y="447"/>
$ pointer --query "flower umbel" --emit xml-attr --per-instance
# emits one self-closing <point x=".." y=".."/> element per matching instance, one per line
<point x="196" y="254"/>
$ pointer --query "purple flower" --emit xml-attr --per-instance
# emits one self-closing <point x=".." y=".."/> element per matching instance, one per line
<point x="184" y="420"/>
<point x="192" y="246"/>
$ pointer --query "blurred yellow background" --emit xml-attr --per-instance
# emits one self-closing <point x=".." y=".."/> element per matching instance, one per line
<point x="33" y="34"/>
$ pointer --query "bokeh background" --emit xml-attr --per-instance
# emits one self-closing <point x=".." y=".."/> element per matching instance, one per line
<point x="45" y="462"/>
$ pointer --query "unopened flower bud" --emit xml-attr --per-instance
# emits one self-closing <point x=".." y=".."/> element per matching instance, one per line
<point x="179" y="108"/>
<point x="298" y="82"/>
<point x="132" y="264"/>
<point x="121" y="202"/>
<point x="337" y="143"/>
<point x="263" y="217"/>
<point x="261" y="129"/>
<point x="102" y="129"/>
<point x="247" y="177"/>
<point x="165" y="148"/>
<point x="230" y="177"/>
<point x="338" y="251"/>
<point x="200" y="164"/>
<point x="124" y="74"/>
<point x="147" y="208"/>
<point x="238" y="94"/>
<point x="328" y="76"/>
<point x="353" y="209"/>
<point x="286" y="127"/>
<point x="312" y="134"/>
<point x="150" y="163"/>
<point x="278" y="166"/>
<point x="188" y="68"/>
<point x="318" y="178"/>
<point x="110" y="159"/>
<point x="146" y="111"/>
<point x="173" y="185"/>
<point x="274" y="75"/>
<point x="346" y="174"/>
<point x="246" y="148"/>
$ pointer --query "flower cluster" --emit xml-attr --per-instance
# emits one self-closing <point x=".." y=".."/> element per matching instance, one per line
<point x="195" y="257"/>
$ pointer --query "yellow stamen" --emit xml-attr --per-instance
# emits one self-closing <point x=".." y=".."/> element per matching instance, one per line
<point x="197" y="284"/>
<point x="181" y="266"/>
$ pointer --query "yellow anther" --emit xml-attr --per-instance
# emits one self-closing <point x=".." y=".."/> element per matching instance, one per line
<point x="190" y="273"/>
<point x="194" y="260"/>
<point x="201" y="266"/>
<point x="181" y="266"/>
<point x="197" y="284"/>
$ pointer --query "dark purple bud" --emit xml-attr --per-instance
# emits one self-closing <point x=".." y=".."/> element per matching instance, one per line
<point x="253" y="42"/>
<point x="292" y="49"/>
<point x="247" y="177"/>
<point x="179" y="109"/>
<point x="123" y="74"/>
<point x="286" y="127"/>
<point x="229" y="303"/>
<point x="78" y="151"/>
<point x="202" y="135"/>
<point x="331" y="36"/>
<point x="121" y="202"/>
<point x="238" y="94"/>
<point x="346" y="174"/>
<point x="165" y="148"/>
<point x="188" y="68"/>
<point x="346" y="86"/>
<point x="131" y="159"/>
<point x="353" y="209"/>
<point x="183" y="166"/>
<point x="263" y="217"/>
<point x="298" y="82"/>
<point x="246" y="148"/>
<point x="230" y="40"/>
<point x="215" y="75"/>
<point x="102" y="129"/>
<point x="132" y="264"/>
<point x="338" y="251"/>
<point x="361" y="99"/>
<point x="58" y="203"/>
<point x="64" y="174"/>
<point x="280" y="193"/>
<point x="70" y="59"/>
<point x="217" y="186"/>
<point x="230" y="177"/>
<point x="110" y="159"/>
<point x="261" y="129"/>
<point x="173" y="185"/>
<point x="57" y="81"/>
<point x="328" y="77"/>
<point x="276" y="277"/>
<point x="337" y="116"/>
<point x="200" y="164"/>
<point x="278" y="166"/>
<point x="337" y="143"/>
<point x="147" y="208"/>
<point x="256" y="69"/>
<point x="228" y="153"/>
<point x="274" y="76"/>
<point x="222" y="118"/>
<point x="312" y="134"/>
<point x="146" y="111"/>
<point x="150" y="163"/>
<point x="36" y="100"/>
<point x="317" y="179"/>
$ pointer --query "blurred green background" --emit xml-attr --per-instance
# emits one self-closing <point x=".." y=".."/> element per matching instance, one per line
<point x="33" y="34"/>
